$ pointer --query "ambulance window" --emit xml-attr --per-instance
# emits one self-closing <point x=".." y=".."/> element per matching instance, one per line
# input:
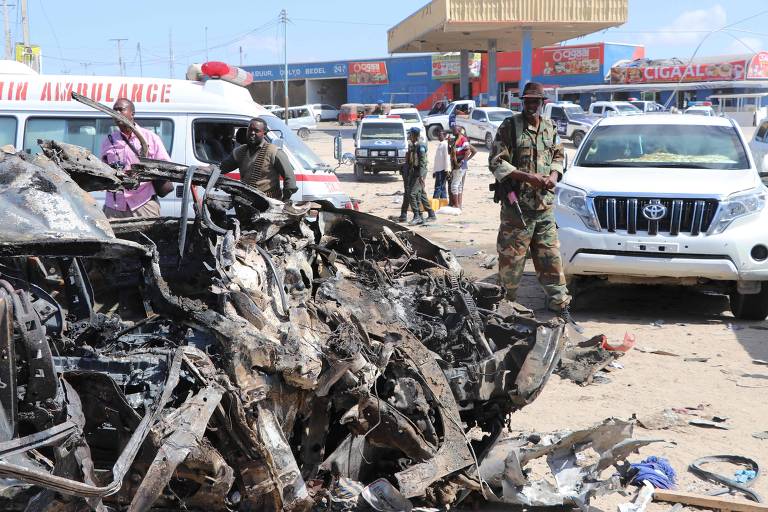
<point x="8" y="131"/>
<point x="88" y="132"/>
<point x="215" y="139"/>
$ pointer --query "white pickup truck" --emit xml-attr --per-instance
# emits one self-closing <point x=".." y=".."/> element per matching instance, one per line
<point x="441" y="120"/>
<point x="570" y="119"/>
<point x="483" y="123"/>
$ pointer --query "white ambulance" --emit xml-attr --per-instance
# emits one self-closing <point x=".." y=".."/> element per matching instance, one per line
<point x="199" y="122"/>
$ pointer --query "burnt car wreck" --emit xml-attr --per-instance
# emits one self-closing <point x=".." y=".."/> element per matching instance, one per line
<point x="267" y="359"/>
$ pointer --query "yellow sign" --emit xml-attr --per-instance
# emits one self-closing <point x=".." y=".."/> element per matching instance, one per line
<point x="31" y="55"/>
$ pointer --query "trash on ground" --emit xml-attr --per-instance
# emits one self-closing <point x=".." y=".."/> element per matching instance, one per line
<point x="655" y="470"/>
<point x="582" y="360"/>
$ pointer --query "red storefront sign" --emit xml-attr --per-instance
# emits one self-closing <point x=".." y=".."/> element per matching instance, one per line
<point x="735" y="70"/>
<point x="567" y="60"/>
<point x="368" y="73"/>
<point x="758" y="66"/>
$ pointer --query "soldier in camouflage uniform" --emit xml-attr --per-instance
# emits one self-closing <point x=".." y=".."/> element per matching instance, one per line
<point x="527" y="161"/>
<point x="418" y="164"/>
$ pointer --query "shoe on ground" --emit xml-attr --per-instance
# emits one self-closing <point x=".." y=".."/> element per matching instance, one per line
<point x="398" y="218"/>
<point x="417" y="221"/>
<point x="432" y="218"/>
<point x="565" y="314"/>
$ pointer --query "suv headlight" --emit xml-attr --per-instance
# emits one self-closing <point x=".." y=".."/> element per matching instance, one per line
<point x="738" y="205"/>
<point x="576" y="200"/>
<point x="361" y="152"/>
<point x="401" y="152"/>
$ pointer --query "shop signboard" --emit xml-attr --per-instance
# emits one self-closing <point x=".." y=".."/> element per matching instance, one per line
<point x="567" y="60"/>
<point x="368" y="73"/>
<point x="758" y="66"/>
<point x="703" y="72"/>
<point x="29" y="55"/>
<point x="447" y="66"/>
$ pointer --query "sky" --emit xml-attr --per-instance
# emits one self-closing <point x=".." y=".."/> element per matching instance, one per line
<point x="76" y="36"/>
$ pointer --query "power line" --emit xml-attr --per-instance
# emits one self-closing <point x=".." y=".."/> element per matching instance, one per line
<point x="338" y="22"/>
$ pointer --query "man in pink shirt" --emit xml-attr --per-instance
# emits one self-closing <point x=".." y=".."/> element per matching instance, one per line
<point x="122" y="148"/>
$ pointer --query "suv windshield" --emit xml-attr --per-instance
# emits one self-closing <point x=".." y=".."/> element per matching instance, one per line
<point x="499" y="115"/>
<point x="408" y="117"/>
<point x="307" y="157"/>
<point x="658" y="145"/>
<point x="574" y="110"/>
<point x="382" y="131"/>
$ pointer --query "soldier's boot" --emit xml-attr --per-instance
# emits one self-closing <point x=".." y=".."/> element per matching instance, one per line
<point x="417" y="219"/>
<point x="398" y="218"/>
<point x="431" y="217"/>
<point x="565" y="314"/>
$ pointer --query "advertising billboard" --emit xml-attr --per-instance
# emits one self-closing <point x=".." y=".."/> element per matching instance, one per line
<point x="30" y="55"/>
<point x="447" y="66"/>
<point x="734" y="70"/>
<point x="368" y="73"/>
<point x="567" y="60"/>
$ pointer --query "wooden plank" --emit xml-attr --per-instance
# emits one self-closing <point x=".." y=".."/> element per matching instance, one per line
<point x="711" y="502"/>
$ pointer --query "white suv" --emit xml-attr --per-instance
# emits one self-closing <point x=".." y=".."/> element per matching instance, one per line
<point x="668" y="199"/>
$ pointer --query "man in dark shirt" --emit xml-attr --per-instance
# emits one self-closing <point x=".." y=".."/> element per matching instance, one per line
<point x="262" y="164"/>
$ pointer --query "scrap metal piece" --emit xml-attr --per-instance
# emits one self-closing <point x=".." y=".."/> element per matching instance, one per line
<point x="187" y="426"/>
<point x="185" y="210"/>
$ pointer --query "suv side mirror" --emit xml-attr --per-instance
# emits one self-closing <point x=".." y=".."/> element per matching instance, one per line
<point x="337" y="147"/>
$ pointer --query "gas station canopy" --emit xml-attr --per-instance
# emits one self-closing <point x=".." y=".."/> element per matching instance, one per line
<point x="453" y="25"/>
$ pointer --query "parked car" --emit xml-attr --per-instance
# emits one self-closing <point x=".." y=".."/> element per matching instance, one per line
<point x="667" y="199"/>
<point x="380" y="145"/>
<point x="412" y="117"/>
<point x="441" y="119"/>
<point x="648" y="106"/>
<point x="483" y="123"/>
<point x="700" y="110"/>
<point x="613" y="108"/>
<point x="325" y="112"/>
<point x="300" y="119"/>
<point x="570" y="119"/>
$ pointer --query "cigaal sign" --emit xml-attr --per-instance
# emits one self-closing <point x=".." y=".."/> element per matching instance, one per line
<point x="682" y="73"/>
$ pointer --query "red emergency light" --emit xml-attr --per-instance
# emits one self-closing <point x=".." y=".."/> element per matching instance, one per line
<point x="224" y="71"/>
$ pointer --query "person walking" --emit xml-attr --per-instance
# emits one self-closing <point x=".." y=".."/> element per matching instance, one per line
<point x="417" y="173"/>
<point x="262" y="164"/>
<point x="527" y="162"/>
<point x="441" y="168"/>
<point x="461" y="153"/>
<point x="120" y="149"/>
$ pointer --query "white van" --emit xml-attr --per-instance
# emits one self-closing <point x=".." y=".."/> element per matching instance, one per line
<point x="197" y="121"/>
<point x="300" y="119"/>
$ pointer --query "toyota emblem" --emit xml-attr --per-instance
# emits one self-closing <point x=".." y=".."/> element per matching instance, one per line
<point x="654" y="211"/>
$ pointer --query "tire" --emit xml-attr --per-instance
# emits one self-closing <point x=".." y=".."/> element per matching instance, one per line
<point x="432" y="131"/>
<point x="303" y="133"/>
<point x="750" y="307"/>
<point x="488" y="141"/>
<point x="318" y="118"/>
<point x="359" y="172"/>
<point x="577" y="138"/>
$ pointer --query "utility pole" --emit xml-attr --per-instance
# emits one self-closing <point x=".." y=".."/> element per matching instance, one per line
<point x="120" y="63"/>
<point x="206" y="44"/>
<point x="7" y="27"/>
<point x="25" y="23"/>
<point x="170" y="52"/>
<point x="241" y="56"/>
<point x="85" y="65"/>
<point x="284" y="21"/>
<point x="141" y="63"/>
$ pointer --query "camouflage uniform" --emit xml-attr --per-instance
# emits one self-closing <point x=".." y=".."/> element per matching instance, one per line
<point x="537" y="152"/>
<point x="417" y="168"/>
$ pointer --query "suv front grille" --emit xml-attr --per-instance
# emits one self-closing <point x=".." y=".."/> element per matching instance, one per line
<point x="690" y="216"/>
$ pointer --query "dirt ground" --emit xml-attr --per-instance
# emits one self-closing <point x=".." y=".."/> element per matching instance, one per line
<point x="723" y="380"/>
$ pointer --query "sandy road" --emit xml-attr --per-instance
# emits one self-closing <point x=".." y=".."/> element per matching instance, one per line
<point x="689" y="324"/>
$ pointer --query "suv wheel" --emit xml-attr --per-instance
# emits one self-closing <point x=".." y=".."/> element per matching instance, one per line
<point x="750" y="307"/>
<point x="488" y="140"/>
<point x="359" y="172"/>
<point x="303" y="132"/>
<point x="433" y="130"/>
<point x="576" y="138"/>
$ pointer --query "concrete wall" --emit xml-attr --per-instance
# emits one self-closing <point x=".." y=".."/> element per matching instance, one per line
<point x="331" y="91"/>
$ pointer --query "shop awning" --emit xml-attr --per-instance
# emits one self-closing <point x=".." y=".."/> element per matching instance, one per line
<point x="453" y="25"/>
<point x="685" y="86"/>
